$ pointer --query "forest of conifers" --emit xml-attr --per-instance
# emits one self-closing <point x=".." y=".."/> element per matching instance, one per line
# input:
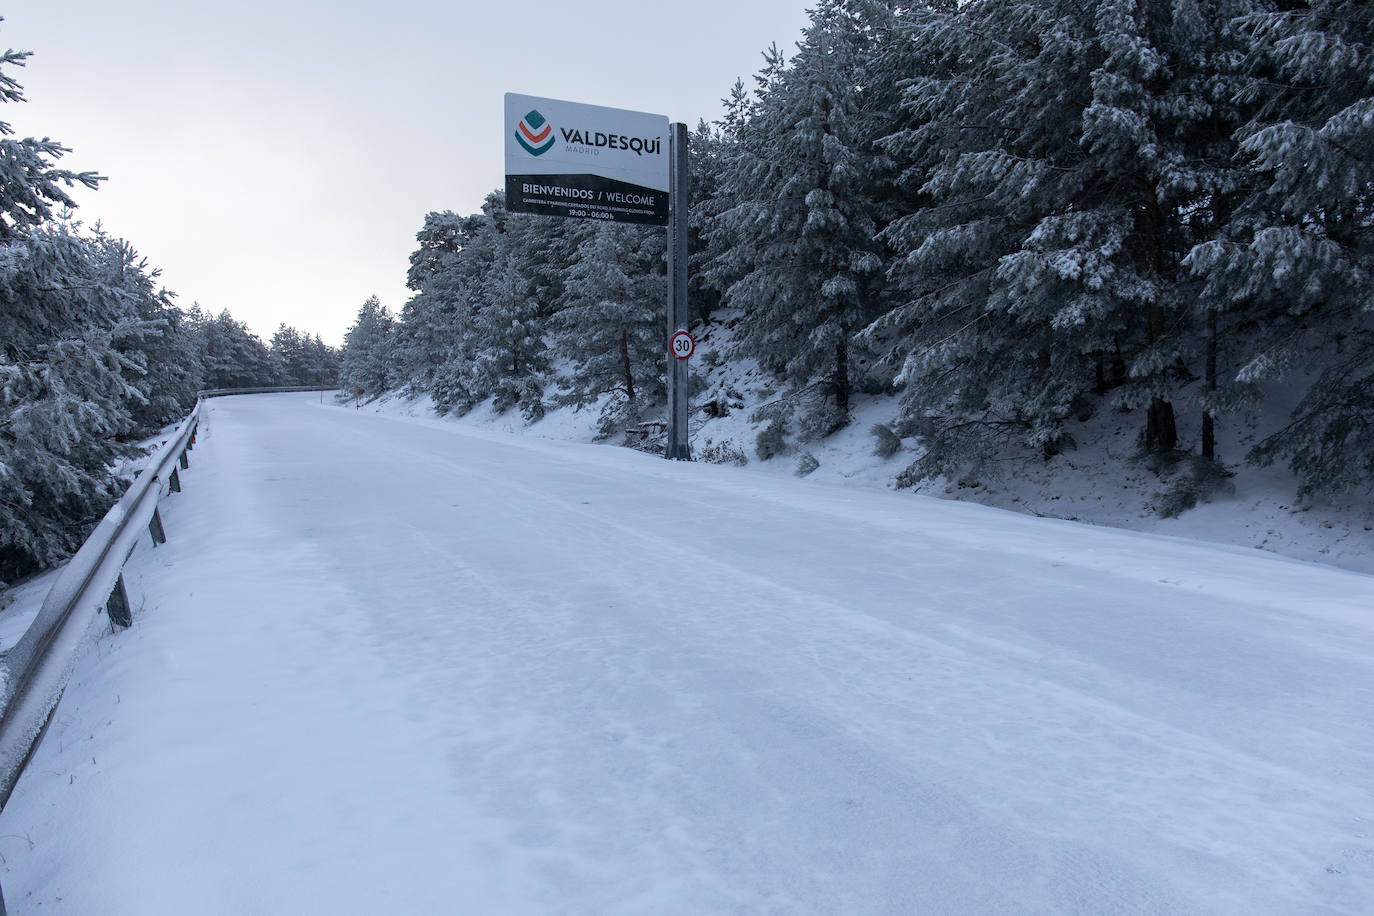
<point x="95" y="355"/>
<point x="1014" y="213"/>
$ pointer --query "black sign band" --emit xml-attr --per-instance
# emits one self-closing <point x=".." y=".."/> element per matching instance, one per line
<point x="586" y="197"/>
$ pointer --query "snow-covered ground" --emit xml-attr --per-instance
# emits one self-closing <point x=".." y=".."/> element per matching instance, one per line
<point x="20" y="603"/>
<point x="1102" y="481"/>
<point x="410" y="666"/>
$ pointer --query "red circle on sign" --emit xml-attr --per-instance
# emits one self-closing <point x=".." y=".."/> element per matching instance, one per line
<point x="682" y="345"/>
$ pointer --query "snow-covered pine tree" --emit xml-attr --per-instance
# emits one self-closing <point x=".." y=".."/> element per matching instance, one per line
<point x="724" y="261"/>
<point x="1215" y="78"/>
<point x="543" y="249"/>
<point x="988" y="148"/>
<point x="231" y="354"/>
<point x="368" y="365"/>
<point x="1161" y="125"/>
<point x="508" y="317"/>
<point x="64" y="394"/>
<point x="1066" y="151"/>
<point x="92" y="353"/>
<point x="707" y="145"/>
<point x="800" y="233"/>
<point x="611" y="322"/>
<point x="160" y="349"/>
<point x="284" y="348"/>
<point x="164" y="344"/>
<point x="32" y="188"/>
<point x="485" y="285"/>
<point x="434" y="341"/>
<point x="511" y="358"/>
<point x="326" y="357"/>
<point x="1297" y="251"/>
<point x="301" y="359"/>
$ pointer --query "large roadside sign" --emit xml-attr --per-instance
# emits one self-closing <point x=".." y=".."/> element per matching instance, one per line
<point x="586" y="161"/>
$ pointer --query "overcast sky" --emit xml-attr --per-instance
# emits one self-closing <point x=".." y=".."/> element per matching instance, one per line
<point x="277" y="159"/>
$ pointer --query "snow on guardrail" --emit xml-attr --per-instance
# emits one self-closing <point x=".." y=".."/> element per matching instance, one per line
<point x="222" y="392"/>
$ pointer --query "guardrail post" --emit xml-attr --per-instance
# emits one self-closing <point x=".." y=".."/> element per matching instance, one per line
<point x="117" y="606"/>
<point x="174" y="482"/>
<point x="159" y="537"/>
<point x="185" y="462"/>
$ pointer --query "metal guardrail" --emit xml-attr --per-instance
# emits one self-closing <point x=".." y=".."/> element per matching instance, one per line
<point x="37" y="667"/>
<point x="222" y="392"/>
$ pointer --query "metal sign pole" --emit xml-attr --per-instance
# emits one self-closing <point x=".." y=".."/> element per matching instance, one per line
<point x="678" y="190"/>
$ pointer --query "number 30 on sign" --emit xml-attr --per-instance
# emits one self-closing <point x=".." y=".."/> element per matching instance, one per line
<point x="682" y="345"/>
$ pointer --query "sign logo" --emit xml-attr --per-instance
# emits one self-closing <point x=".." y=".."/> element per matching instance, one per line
<point x="534" y="133"/>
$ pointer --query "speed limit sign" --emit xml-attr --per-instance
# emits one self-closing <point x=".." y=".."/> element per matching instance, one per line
<point x="682" y="345"/>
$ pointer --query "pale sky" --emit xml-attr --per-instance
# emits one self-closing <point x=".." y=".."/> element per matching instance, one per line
<point x="277" y="159"/>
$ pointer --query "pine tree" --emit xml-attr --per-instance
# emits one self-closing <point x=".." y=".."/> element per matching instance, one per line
<point x="161" y="352"/>
<point x="32" y="188"/>
<point x="725" y="261"/>
<point x="611" y="322"/>
<point x="232" y="355"/>
<point x="803" y="222"/>
<point x="64" y="395"/>
<point x="301" y="359"/>
<point x="511" y="354"/>
<point x="1296" y="252"/>
<point x="93" y="354"/>
<point x="707" y="145"/>
<point x="485" y="286"/>
<point x="1063" y="152"/>
<point x="434" y="343"/>
<point x="989" y="148"/>
<point x="368" y="363"/>
<point x="1163" y="115"/>
<point x="514" y="297"/>
<point x="326" y="358"/>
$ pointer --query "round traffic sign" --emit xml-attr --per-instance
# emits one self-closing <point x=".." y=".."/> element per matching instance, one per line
<point x="682" y="345"/>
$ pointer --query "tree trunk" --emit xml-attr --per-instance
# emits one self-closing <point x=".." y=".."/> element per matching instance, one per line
<point x="1209" y="450"/>
<point x="842" y="373"/>
<point x="625" y="363"/>
<point x="1042" y="366"/>
<point x="1221" y="209"/>
<point x="1161" y="434"/>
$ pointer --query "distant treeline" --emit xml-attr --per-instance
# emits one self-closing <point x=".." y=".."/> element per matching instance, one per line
<point x="1014" y="212"/>
<point x="95" y="355"/>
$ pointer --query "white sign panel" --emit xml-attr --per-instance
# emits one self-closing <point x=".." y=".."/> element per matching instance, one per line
<point x="567" y="159"/>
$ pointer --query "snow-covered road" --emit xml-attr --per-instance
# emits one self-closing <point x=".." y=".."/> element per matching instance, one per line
<point x="391" y="667"/>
